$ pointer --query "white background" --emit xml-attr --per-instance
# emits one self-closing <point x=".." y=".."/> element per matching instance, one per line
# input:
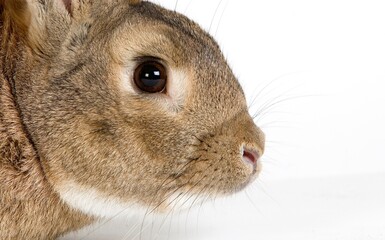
<point x="323" y="62"/>
<point x="331" y="55"/>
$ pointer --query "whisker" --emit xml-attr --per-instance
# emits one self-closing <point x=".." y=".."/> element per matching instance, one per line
<point x="259" y="94"/>
<point x="107" y="220"/>
<point x="215" y="14"/>
<point x="187" y="7"/>
<point x="169" y="226"/>
<point x="277" y="97"/>
<point x="172" y="179"/>
<point x="263" y="189"/>
<point x="176" y="5"/>
<point x="206" y="199"/>
<point x="197" y="195"/>
<point x="193" y="202"/>
<point x="278" y="124"/>
<point x="187" y="192"/>
<point x="268" y="159"/>
<point x="151" y="211"/>
<point x="252" y="203"/>
<point x="264" y="110"/>
<point x="177" y="199"/>
<point x="130" y="231"/>
<point x="191" y="206"/>
<point x="220" y="17"/>
<point x="165" y="182"/>
<point x="141" y="227"/>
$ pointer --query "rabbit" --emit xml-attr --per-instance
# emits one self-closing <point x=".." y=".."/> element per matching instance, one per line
<point x="112" y="105"/>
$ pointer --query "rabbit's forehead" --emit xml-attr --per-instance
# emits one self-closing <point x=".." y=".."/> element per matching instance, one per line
<point x="189" y="50"/>
<point x="162" y="41"/>
<point x="130" y="42"/>
<point x="153" y="31"/>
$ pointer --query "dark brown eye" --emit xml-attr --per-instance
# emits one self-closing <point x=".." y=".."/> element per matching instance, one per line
<point x="150" y="77"/>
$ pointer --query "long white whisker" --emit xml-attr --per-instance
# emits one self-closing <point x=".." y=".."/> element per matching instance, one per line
<point x="215" y="14"/>
<point x="252" y="202"/>
<point x="107" y="220"/>
<point x="176" y="5"/>
<point x="220" y="18"/>
<point x="259" y="93"/>
<point x="187" y="7"/>
<point x="268" y="102"/>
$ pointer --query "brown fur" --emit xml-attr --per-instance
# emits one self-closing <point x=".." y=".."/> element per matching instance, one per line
<point x="64" y="118"/>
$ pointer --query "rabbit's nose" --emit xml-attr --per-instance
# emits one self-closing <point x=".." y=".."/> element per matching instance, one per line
<point x="250" y="156"/>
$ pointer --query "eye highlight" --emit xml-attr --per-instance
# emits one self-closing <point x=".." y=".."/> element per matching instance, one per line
<point x="151" y="77"/>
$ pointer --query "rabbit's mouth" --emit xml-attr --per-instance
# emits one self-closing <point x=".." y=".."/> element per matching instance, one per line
<point x="226" y="159"/>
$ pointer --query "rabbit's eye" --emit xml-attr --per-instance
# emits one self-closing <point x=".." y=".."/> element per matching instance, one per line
<point x="150" y="77"/>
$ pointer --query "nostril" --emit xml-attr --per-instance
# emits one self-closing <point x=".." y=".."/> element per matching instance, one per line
<point x="250" y="156"/>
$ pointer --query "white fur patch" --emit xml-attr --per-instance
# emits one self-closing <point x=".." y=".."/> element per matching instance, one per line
<point x="126" y="82"/>
<point x="92" y="202"/>
<point x="177" y="87"/>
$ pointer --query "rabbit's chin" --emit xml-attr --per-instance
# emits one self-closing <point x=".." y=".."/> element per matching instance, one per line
<point x="91" y="202"/>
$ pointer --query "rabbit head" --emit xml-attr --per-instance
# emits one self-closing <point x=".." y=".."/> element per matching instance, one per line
<point x="129" y="104"/>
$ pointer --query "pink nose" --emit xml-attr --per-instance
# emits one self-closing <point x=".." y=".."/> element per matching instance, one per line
<point x="250" y="156"/>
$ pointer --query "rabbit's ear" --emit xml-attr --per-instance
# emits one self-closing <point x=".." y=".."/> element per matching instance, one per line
<point x="26" y="13"/>
<point x="17" y="11"/>
<point x="68" y="5"/>
<point x="41" y="21"/>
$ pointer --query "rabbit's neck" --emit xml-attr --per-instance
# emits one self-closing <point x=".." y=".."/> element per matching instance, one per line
<point x="15" y="147"/>
<point x="10" y="47"/>
<point x="25" y="196"/>
<point x="18" y="157"/>
<point x="25" y="193"/>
